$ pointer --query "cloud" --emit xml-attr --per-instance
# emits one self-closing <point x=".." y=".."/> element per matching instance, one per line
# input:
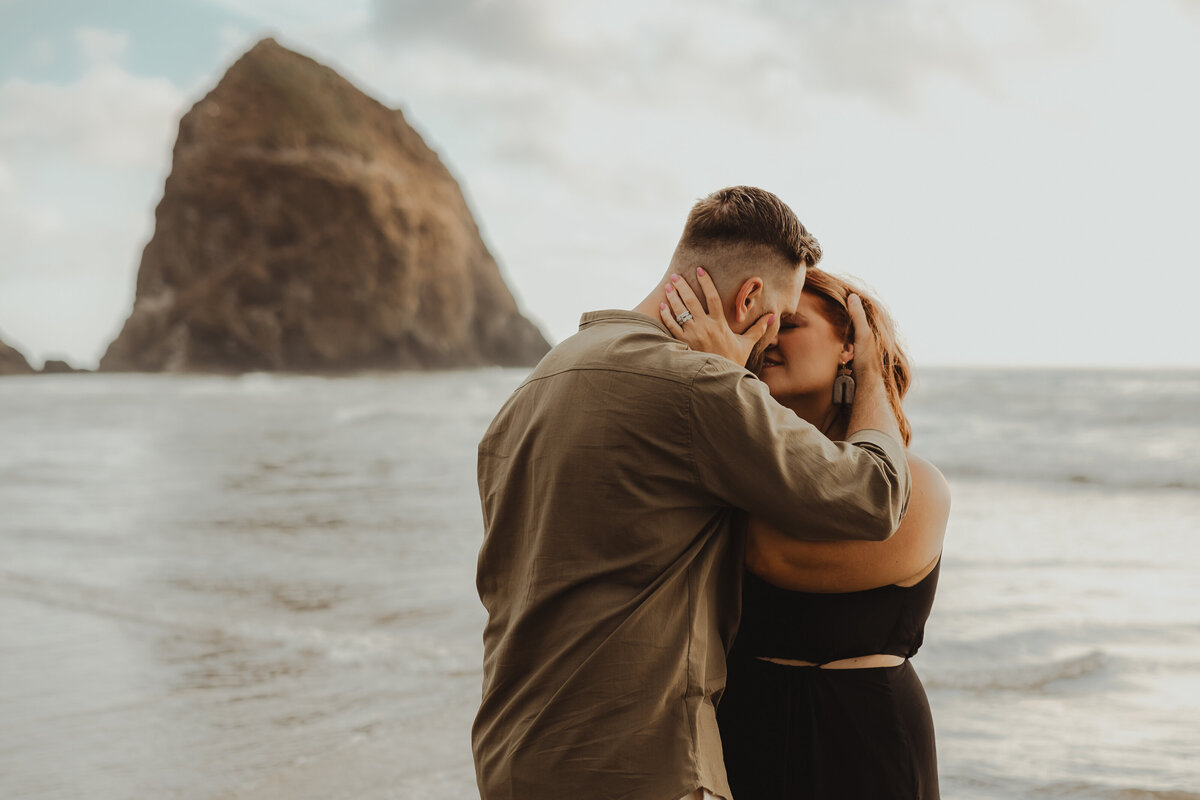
<point x="296" y="15"/>
<point x="107" y="117"/>
<point x="514" y="30"/>
<point x="700" y="48"/>
<point x="80" y="164"/>
<point x="756" y="54"/>
<point x="67" y="277"/>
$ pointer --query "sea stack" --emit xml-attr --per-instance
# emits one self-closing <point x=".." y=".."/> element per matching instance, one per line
<point x="305" y="226"/>
<point x="12" y="362"/>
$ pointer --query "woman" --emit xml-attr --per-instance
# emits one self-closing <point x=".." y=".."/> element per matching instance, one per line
<point x="821" y="700"/>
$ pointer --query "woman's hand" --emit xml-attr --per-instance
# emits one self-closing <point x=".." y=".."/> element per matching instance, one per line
<point x="872" y="408"/>
<point x="708" y="331"/>
<point x="868" y="365"/>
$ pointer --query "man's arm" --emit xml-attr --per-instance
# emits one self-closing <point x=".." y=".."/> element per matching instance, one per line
<point x="854" y="566"/>
<point x="754" y="454"/>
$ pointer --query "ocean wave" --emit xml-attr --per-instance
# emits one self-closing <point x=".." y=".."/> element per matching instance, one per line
<point x="1134" y="482"/>
<point x="1041" y="644"/>
<point x="1126" y="476"/>
<point x="988" y="787"/>
<point x="354" y="414"/>
<point x="1087" y="791"/>
<point x="1019" y="677"/>
<point x="423" y="650"/>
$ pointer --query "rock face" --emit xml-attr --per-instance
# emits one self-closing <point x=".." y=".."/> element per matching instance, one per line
<point x="12" y="362"/>
<point x="304" y="226"/>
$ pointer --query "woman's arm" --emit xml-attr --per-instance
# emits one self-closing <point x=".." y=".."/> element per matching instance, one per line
<point x="857" y="565"/>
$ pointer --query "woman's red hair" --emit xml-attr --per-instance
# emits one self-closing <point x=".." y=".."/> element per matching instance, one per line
<point x="833" y="292"/>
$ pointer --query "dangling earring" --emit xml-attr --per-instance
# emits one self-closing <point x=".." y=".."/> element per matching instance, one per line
<point x="843" y="386"/>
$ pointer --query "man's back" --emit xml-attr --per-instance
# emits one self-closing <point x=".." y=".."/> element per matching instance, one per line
<point x="599" y="651"/>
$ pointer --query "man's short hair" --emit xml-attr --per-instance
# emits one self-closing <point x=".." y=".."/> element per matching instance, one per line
<point x="746" y="215"/>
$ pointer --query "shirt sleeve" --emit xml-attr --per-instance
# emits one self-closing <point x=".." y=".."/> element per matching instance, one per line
<point x="752" y="453"/>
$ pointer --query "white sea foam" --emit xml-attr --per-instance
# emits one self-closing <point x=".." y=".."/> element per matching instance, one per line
<point x="1018" y="677"/>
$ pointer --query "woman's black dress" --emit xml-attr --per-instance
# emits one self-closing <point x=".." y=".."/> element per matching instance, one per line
<point x="828" y="734"/>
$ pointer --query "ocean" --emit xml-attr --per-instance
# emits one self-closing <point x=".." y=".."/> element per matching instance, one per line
<point x="263" y="586"/>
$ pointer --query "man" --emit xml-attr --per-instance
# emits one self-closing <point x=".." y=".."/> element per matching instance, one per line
<point x="610" y="482"/>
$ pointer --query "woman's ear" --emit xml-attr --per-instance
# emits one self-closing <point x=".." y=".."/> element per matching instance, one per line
<point x="748" y="300"/>
<point x="847" y="351"/>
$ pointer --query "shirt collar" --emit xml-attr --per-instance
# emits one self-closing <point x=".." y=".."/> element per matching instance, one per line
<point x="619" y="315"/>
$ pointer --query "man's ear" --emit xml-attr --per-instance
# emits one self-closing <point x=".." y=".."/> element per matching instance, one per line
<point x="748" y="300"/>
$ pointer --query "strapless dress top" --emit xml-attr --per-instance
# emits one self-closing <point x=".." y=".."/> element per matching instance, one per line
<point x="820" y="627"/>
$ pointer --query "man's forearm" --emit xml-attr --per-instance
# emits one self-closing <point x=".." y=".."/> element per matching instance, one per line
<point x="755" y="454"/>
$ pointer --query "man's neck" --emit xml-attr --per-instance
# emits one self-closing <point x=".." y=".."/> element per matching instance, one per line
<point x="650" y="305"/>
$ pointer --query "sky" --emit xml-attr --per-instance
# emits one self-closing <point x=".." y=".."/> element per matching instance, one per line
<point x="1017" y="180"/>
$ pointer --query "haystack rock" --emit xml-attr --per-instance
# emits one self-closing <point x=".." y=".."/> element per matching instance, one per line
<point x="304" y="226"/>
<point x="12" y="362"/>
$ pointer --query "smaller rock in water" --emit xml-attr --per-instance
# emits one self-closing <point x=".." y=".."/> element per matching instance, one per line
<point x="57" y="366"/>
<point x="12" y="362"/>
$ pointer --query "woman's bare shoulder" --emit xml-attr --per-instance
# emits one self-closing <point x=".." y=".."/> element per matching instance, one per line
<point x="924" y="526"/>
<point x="930" y="489"/>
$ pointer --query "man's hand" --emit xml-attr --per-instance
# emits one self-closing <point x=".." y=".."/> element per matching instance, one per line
<point x="708" y="331"/>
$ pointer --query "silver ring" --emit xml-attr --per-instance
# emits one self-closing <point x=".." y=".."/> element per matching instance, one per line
<point x="686" y="316"/>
